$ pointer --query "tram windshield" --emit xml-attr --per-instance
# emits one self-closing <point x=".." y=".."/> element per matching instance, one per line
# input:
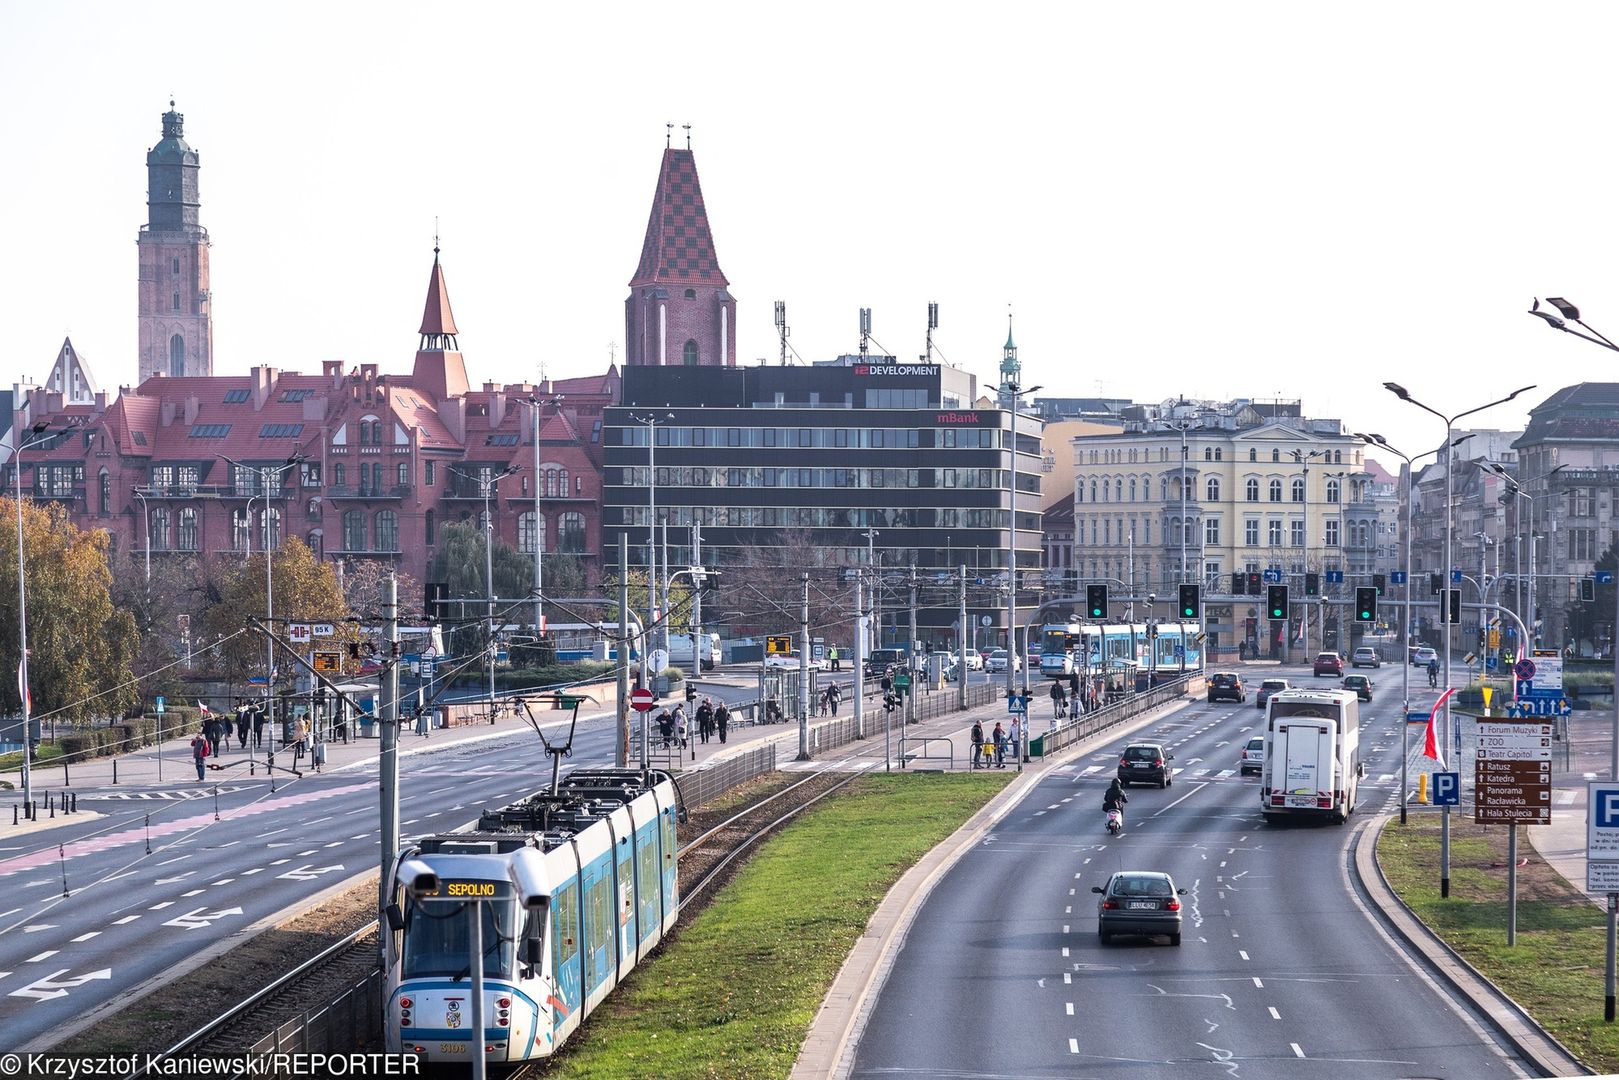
<point x="438" y="935"/>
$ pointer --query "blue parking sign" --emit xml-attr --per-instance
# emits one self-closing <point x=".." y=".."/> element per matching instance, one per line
<point x="1447" y="789"/>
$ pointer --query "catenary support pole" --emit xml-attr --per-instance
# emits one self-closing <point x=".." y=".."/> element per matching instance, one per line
<point x="1613" y="938"/>
<point x="388" y="756"/>
<point x="1512" y="883"/>
<point x="910" y="662"/>
<point x="961" y="638"/>
<point x="859" y="661"/>
<point x="699" y="648"/>
<point x="803" y="670"/>
<point x="622" y="757"/>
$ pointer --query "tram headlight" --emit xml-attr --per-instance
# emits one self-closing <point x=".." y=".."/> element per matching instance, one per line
<point x="419" y="878"/>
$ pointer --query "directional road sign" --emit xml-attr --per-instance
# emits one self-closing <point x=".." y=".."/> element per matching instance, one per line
<point x="159" y="703"/>
<point x="1273" y="577"/>
<point x="1447" y="789"/>
<point x="1335" y="577"/>
<point x="1512" y="779"/>
<point x="1397" y="577"/>
<point x="1455" y="577"/>
<point x="1604" y="577"/>
<point x="641" y="700"/>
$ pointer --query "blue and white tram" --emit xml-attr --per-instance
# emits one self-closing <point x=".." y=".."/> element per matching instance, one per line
<point x="570" y="889"/>
<point x="1072" y="647"/>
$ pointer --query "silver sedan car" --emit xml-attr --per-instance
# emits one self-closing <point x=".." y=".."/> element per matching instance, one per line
<point x="1139" y="902"/>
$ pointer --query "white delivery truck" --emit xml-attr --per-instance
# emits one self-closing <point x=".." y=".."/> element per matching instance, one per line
<point x="1312" y="754"/>
<point x="708" y="649"/>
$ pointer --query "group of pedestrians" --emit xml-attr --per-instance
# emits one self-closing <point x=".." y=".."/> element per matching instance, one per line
<point x="995" y="746"/>
<point x="712" y="720"/>
<point x="831" y="697"/>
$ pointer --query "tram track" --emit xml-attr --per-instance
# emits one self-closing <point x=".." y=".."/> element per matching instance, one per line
<point x="706" y="862"/>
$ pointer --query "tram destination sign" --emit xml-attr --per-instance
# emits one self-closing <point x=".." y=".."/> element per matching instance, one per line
<point x="1512" y="773"/>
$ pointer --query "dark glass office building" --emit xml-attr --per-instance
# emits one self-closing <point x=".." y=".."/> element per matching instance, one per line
<point x="805" y="460"/>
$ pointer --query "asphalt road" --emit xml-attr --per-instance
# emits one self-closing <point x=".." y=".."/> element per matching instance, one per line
<point x="130" y="915"/>
<point x="1281" y="973"/>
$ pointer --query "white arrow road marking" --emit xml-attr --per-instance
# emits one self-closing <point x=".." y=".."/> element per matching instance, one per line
<point x="54" y="986"/>
<point x="308" y="872"/>
<point x="201" y="917"/>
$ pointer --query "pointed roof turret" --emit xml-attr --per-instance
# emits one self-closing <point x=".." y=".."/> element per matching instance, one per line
<point x="438" y="323"/>
<point x="679" y="248"/>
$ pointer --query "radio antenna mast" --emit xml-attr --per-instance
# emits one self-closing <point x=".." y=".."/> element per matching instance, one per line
<point x="865" y="332"/>
<point x="933" y="324"/>
<point x="781" y="328"/>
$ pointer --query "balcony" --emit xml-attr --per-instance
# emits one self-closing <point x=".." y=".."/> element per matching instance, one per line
<point x="57" y="493"/>
<point x="367" y="492"/>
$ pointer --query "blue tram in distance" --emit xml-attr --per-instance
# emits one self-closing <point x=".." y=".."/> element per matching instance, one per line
<point x="570" y="889"/>
<point x="1069" y="647"/>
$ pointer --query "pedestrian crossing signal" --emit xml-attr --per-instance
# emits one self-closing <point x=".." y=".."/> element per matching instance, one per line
<point x="1366" y="605"/>
<point x="1277" y="601"/>
<point x="1096" y="601"/>
<point x="1312" y="584"/>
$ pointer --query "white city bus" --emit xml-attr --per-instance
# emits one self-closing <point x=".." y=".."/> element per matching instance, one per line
<point x="1312" y="754"/>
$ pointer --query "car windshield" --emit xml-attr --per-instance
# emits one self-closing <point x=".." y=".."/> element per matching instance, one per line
<point x="1224" y="680"/>
<point x="1257" y="743"/>
<point x="1141" y="886"/>
<point x="1275" y="684"/>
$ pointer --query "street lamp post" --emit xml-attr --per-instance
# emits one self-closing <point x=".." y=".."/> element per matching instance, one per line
<point x="653" y="614"/>
<point x="1518" y="488"/>
<point x="487" y="482"/>
<point x="1304" y="458"/>
<point x="1450" y="421"/>
<point x="41" y="433"/>
<point x="146" y="525"/>
<point x="534" y="405"/>
<point x="1013" y="394"/>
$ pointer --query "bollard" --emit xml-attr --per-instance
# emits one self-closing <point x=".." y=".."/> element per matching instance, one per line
<point x="1422" y="788"/>
<point x="65" y="781"/>
<point x="14" y="813"/>
<point x="75" y="802"/>
<point x="115" y="770"/>
<point x="50" y="806"/>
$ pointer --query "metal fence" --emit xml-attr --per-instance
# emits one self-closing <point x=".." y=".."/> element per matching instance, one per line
<point x="347" y="1023"/>
<point x="700" y="785"/>
<point x="1077" y="729"/>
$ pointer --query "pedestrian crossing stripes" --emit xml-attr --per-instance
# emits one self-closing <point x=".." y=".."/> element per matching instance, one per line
<point x="164" y="796"/>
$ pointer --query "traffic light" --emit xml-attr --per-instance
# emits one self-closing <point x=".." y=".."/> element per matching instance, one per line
<point x="691" y="691"/>
<point x="1276" y="601"/>
<point x="1190" y="605"/>
<point x="1377" y="583"/>
<point x="1253" y="582"/>
<point x="1312" y="584"/>
<point x="1366" y="605"/>
<point x="1096" y="601"/>
<point x="1588" y="590"/>
<point x="1455" y="606"/>
<point x="1239" y="583"/>
<point x="1436" y="584"/>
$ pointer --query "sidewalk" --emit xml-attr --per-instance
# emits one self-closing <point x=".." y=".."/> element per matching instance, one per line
<point x="1562" y="843"/>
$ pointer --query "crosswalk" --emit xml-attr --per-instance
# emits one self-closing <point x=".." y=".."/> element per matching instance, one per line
<point x="183" y="795"/>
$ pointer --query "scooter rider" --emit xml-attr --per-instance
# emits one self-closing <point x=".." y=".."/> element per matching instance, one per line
<point x="1115" y="799"/>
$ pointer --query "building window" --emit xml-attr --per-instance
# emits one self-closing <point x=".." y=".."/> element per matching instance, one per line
<point x="174" y="266"/>
<point x="1252" y="488"/>
<point x="429" y="521"/>
<point x="387" y="531"/>
<point x="1253" y="453"/>
<point x="157" y="536"/>
<point x="340" y="474"/>
<point x="353" y="530"/>
<point x="691" y="294"/>
<point x="688" y="354"/>
<point x="177" y="355"/>
<point x="1250" y="532"/>
<point x="272" y="528"/>
<point x="1273" y="532"/>
<point x="1332" y="532"/>
<point x="1132" y="489"/>
<point x="1213" y="489"/>
<point x="1118" y="491"/>
<point x="106" y="491"/>
<point x="241" y="532"/>
<point x="1211" y="530"/>
<point x="571" y="533"/>
<point x="174" y="302"/>
<point x="1275" y="491"/>
<point x="1298" y="489"/>
<point x="1208" y="453"/>
<point x="403" y="474"/>
<point x="1296" y="531"/>
<point x="527" y="532"/>
<point x="1332" y="491"/>
<point x="188" y="529"/>
<point x="427" y="480"/>
<point x="1276" y="455"/>
<point x="1219" y="452"/>
<point x="312" y="509"/>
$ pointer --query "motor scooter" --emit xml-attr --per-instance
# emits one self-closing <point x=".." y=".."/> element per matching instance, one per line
<point x="1115" y="822"/>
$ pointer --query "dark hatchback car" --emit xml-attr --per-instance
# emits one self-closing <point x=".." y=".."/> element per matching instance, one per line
<point x="1139" y="902"/>
<point x="1146" y="763"/>
<point x="1360" y="684"/>
<point x="1226" y="686"/>
<point x="1267" y="688"/>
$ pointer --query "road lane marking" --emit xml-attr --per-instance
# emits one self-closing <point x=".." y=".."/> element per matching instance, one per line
<point x="1296" y="1049"/>
<point x="278" y="862"/>
<point x="1070" y="1008"/>
<point x="224" y="881"/>
<point x="87" y="937"/>
<point x="1067" y="978"/>
<point x="46" y="955"/>
<point x="1065" y="950"/>
<point x="160" y="907"/>
<point x="125" y="919"/>
<point x="1274" y="1015"/>
<point x="1073" y="1047"/>
<point x="255" y="870"/>
<point x="193" y="892"/>
<point x="1182" y="799"/>
<point x="1257" y="981"/>
<point x="1065" y="928"/>
<point x="1566" y="798"/>
<point x="167" y="861"/>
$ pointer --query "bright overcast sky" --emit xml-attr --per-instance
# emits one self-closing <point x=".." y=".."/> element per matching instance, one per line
<point x="1221" y="200"/>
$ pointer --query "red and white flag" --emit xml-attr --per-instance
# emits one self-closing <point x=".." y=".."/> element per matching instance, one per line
<point x="1430" y="742"/>
<point x="203" y="709"/>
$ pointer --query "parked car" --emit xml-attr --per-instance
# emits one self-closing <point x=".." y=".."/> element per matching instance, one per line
<point x="1329" y="663"/>
<point x="791" y="661"/>
<point x="1366" y="656"/>
<point x="998" y="659"/>
<point x="1139" y="902"/>
<point x="975" y="660"/>
<point x="1267" y="688"/>
<point x="1253" y="755"/>
<point x="1146" y="763"/>
<point x="1423" y="657"/>
<point x="1360" y="684"/>
<point x="1226" y="685"/>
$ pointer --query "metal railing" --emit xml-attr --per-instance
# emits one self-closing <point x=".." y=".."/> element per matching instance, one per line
<point x="1077" y="729"/>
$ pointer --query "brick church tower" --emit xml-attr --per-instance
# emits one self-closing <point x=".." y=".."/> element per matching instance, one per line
<point x="679" y="310"/>
<point x="176" y="326"/>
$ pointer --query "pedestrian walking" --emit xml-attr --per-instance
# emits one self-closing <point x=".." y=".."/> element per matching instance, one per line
<point x="1014" y="736"/>
<point x="300" y="745"/>
<point x="679" y="717"/>
<point x="1073" y="692"/>
<point x="978" y="742"/>
<point x="832" y="655"/>
<point x="999" y="735"/>
<point x="705" y="720"/>
<point x="243" y="721"/>
<point x="722" y="719"/>
<point x="666" y="728"/>
<point x="834" y="697"/>
<point x="200" y="752"/>
<point x="1059" y="700"/>
<point x="210" y="730"/>
<point x="258" y="725"/>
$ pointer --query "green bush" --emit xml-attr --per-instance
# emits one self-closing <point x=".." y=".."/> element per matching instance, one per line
<point x="554" y="675"/>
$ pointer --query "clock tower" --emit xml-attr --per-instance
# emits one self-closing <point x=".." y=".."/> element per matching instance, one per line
<point x="176" y="324"/>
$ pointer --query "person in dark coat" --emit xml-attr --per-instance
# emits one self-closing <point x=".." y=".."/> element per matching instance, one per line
<point x="722" y="719"/>
<point x="242" y="724"/>
<point x="666" y="728"/>
<point x="258" y="725"/>
<point x="705" y="720"/>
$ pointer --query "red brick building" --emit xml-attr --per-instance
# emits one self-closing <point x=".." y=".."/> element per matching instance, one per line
<point x="381" y="461"/>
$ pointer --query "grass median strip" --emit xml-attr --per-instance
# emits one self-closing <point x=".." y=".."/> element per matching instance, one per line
<point x="1555" y="970"/>
<point x="734" y="994"/>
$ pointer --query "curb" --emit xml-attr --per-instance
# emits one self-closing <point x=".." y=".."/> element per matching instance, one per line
<point x="1512" y="1021"/>
<point x="841" y="1018"/>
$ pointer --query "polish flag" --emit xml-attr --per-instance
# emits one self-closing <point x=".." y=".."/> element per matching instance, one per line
<point x="203" y="709"/>
<point x="1430" y="743"/>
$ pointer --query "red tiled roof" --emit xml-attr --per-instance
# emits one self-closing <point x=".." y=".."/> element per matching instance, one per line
<point x="437" y="319"/>
<point x="679" y="248"/>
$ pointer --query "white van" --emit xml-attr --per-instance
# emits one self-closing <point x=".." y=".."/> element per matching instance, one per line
<point x="708" y="647"/>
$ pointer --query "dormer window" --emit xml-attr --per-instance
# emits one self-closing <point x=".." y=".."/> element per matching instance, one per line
<point x="691" y="294"/>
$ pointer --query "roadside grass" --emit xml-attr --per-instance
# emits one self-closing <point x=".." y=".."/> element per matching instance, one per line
<point x="1556" y="969"/>
<point x="47" y="752"/>
<point x="734" y="993"/>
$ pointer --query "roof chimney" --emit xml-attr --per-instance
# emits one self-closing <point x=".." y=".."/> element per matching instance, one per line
<point x="192" y="408"/>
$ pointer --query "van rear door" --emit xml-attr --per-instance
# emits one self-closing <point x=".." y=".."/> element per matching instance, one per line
<point x="1298" y="767"/>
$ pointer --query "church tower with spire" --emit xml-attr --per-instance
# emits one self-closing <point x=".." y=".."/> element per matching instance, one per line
<point x="440" y="369"/>
<point x="679" y="310"/>
<point x="176" y="321"/>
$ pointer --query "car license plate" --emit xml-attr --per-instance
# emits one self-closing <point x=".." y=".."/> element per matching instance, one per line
<point x="1301" y="800"/>
<point x="1142" y="905"/>
<point x="1139" y="764"/>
